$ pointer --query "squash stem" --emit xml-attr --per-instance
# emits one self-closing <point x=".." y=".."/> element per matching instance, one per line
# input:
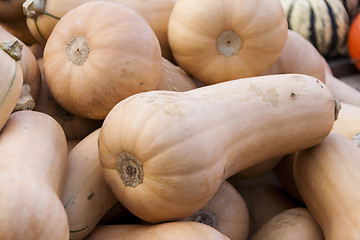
<point x="129" y="169"/>
<point x="33" y="8"/>
<point x="13" y="48"/>
<point x="25" y="102"/>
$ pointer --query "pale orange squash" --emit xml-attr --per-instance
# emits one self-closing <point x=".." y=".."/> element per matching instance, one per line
<point x="11" y="82"/>
<point x="226" y="211"/>
<point x="291" y="224"/>
<point x="327" y="177"/>
<point x="258" y="169"/>
<point x="169" y="230"/>
<point x="43" y="15"/>
<point x="299" y="56"/>
<point x="216" y="41"/>
<point x="148" y="143"/>
<point x="75" y="127"/>
<point x="100" y="58"/>
<point x="86" y="197"/>
<point x="33" y="170"/>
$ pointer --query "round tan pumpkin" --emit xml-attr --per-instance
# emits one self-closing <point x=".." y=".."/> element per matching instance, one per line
<point x="216" y="41"/>
<point x="93" y="59"/>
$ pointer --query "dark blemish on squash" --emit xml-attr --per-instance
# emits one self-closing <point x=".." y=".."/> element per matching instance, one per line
<point x="293" y="96"/>
<point x="91" y="196"/>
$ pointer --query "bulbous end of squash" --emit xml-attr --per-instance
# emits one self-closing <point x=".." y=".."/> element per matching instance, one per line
<point x="129" y="169"/>
<point x="13" y="48"/>
<point x="33" y="8"/>
<point x="77" y="50"/>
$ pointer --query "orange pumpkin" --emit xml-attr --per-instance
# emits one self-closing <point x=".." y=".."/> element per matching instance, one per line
<point x="354" y="40"/>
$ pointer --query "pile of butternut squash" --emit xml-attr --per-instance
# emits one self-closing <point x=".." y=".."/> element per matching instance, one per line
<point x="172" y="120"/>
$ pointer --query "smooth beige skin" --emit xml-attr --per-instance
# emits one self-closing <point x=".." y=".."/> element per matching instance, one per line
<point x="258" y="169"/>
<point x="75" y="127"/>
<point x="33" y="170"/>
<point x="173" y="78"/>
<point x="86" y="197"/>
<point x="327" y="177"/>
<point x="298" y="56"/>
<point x="11" y="82"/>
<point x="170" y="230"/>
<point x="230" y="211"/>
<point x="291" y="224"/>
<point x="125" y="63"/>
<point x="156" y="13"/>
<point x="194" y="27"/>
<point x="190" y="142"/>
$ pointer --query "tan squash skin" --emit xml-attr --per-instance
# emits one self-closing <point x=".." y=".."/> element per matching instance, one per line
<point x="265" y="198"/>
<point x="348" y="122"/>
<point x="75" y="127"/>
<point x="298" y="56"/>
<point x="31" y="74"/>
<point x="33" y="170"/>
<point x="169" y="230"/>
<point x="176" y="122"/>
<point x="11" y="82"/>
<point x="86" y="197"/>
<point x="327" y="177"/>
<point x="126" y="63"/>
<point x="258" y="169"/>
<point x="217" y="41"/>
<point x="291" y="224"/>
<point x="173" y="78"/>
<point x="156" y="12"/>
<point x="226" y="212"/>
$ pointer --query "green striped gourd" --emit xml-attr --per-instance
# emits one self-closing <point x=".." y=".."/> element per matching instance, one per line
<point x="323" y="22"/>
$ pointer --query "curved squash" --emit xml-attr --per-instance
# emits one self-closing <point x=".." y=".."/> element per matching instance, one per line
<point x="226" y="212"/>
<point x="99" y="70"/>
<point x="86" y="197"/>
<point x="169" y="230"/>
<point x="258" y="169"/>
<point x="327" y="177"/>
<point x="11" y="83"/>
<point x="149" y="141"/>
<point x="217" y="41"/>
<point x="291" y="224"/>
<point x="75" y="127"/>
<point x="324" y="23"/>
<point x="33" y="170"/>
<point x="299" y="56"/>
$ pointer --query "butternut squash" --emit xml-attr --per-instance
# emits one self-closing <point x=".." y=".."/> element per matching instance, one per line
<point x="33" y="170"/>
<point x="95" y="71"/>
<point x="166" y="153"/>
<point x="291" y="224"/>
<point x="327" y="177"/>
<point x="299" y="56"/>
<point x="75" y="127"/>
<point x="258" y="169"/>
<point x="226" y="211"/>
<point x="11" y="83"/>
<point x="42" y="16"/>
<point x="169" y="230"/>
<point x="86" y="197"/>
<point x="216" y="41"/>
